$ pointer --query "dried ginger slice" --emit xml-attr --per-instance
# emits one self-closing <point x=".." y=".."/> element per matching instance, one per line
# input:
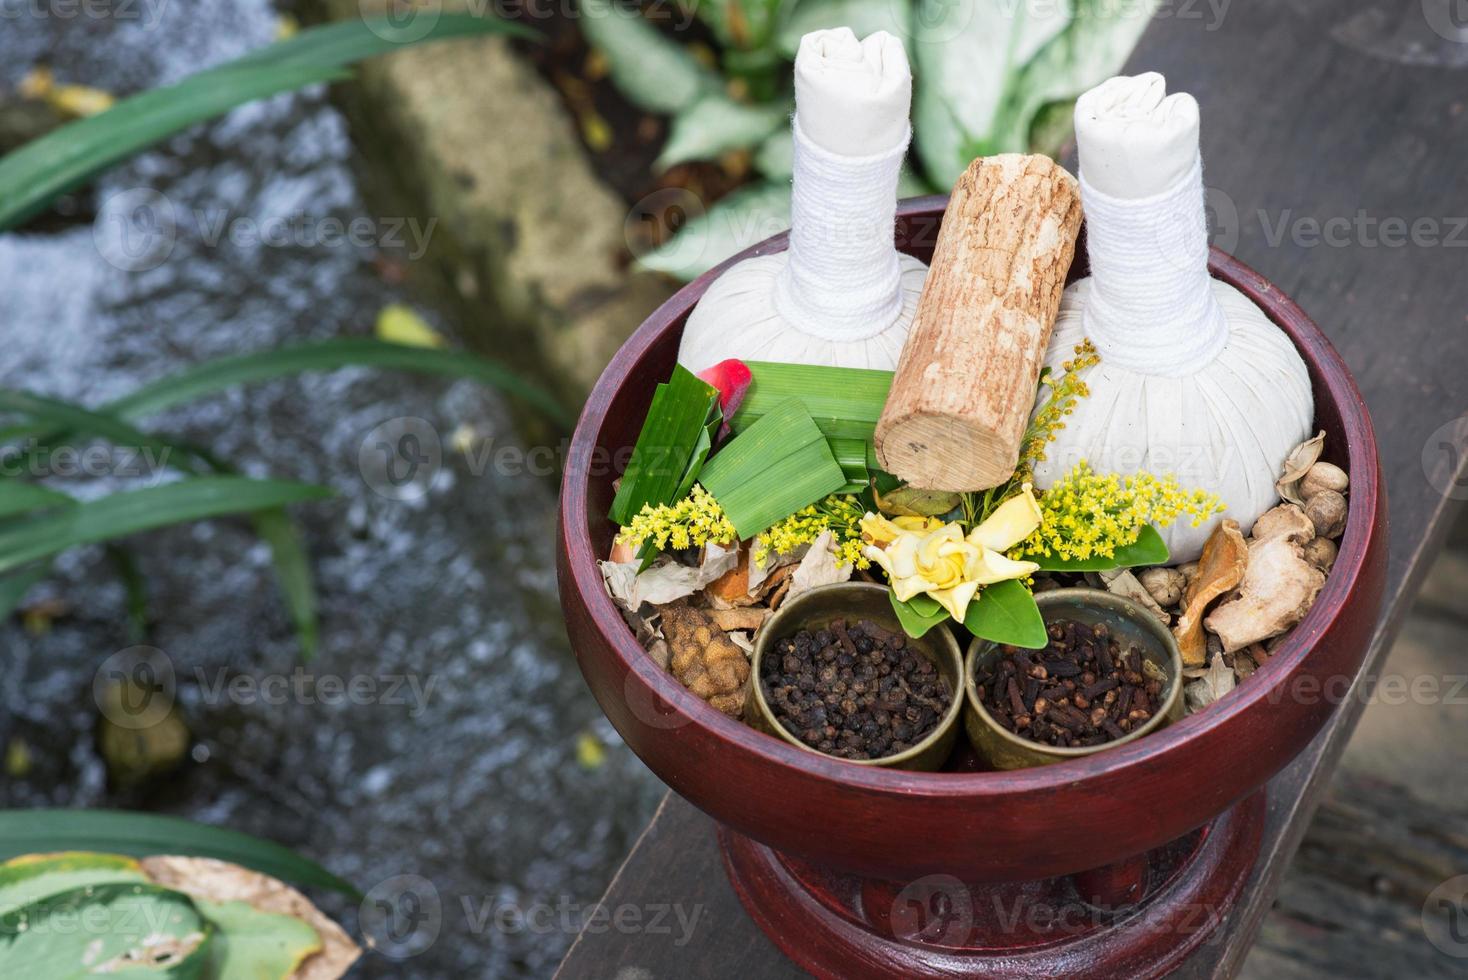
<point x="1221" y="568"/>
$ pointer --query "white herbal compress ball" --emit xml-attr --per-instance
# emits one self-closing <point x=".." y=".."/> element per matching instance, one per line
<point x="841" y="295"/>
<point x="1194" y="379"/>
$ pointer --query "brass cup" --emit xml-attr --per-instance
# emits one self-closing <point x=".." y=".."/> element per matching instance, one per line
<point x="1129" y="622"/>
<point x="853" y="601"/>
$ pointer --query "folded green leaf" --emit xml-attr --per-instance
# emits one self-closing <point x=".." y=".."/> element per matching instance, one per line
<point x="122" y="514"/>
<point x="845" y="402"/>
<point x="773" y="468"/>
<point x="1148" y="549"/>
<point x="27" y="879"/>
<point x="254" y="943"/>
<point x="1005" y="612"/>
<point x="37" y="831"/>
<point x="918" y="614"/>
<point x="667" y="445"/>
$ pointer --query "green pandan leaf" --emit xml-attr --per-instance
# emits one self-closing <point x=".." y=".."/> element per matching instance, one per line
<point x="131" y="929"/>
<point x="252" y="943"/>
<point x="1148" y="549"/>
<point x="1005" y="612"/>
<point x="671" y="436"/>
<point x="918" y="614"/>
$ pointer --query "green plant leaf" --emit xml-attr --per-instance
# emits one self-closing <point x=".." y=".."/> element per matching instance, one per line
<point x="716" y="124"/>
<point x="864" y="17"/>
<point x="1091" y="49"/>
<point x="918" y="614"/>
<point x="135" y="590"/>
<point x="27" y="879"/>
<point x="666" y="445"/>
<point x="17" y="497"/>
<point x="772" y="469"/>
<point x="76" y="418"/>
<point x="62" y="160"/>
<point x="122" y="514"/>
<point x="292" y="574"/>
<point x="1148" y="549"/>
<point x="251" y="943"/>
<point x="775" y="157"/>
<point x="122" y="920"/>
<point x="1005" y="612"/>
<point x="39" y="831"/>
<point x="744" y="218"/>
<point x="969" y="55"/>
<point x="652" y="71"/>
<point x="330" y="355"/>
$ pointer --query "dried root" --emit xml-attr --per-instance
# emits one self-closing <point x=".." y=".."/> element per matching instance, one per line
<point x="1279" y="586"/>
<point x="705" y="660"/>
<point x="1220" y="569"/>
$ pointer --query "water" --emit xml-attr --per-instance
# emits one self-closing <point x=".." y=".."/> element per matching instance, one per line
<point x="469" y="782"/>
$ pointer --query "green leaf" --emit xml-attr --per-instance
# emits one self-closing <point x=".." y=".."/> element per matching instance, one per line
<point x="1148" y="549"/>
<point x="744" y="218"/>
<point x="27" y="879"/>
<point x="135" y="589"/>
<point x="845" y="402"/>
<point x="716" y="124"/>
<point x="772" y="469"/>
<point x="1091" y="49"/>
<point x="122" y="514"/>
<point x="62" y="160"/>
<point x="99" y="424"/>
<point x="22" y="498"/>
<point x="250" y="943"/>
<point x="969" y="55"/>
<point x="330" y="355"/>
<point x="1005" y="612"/>
<point x="775" y="157"/>
<point x="13" y="587"/>
<point x="666" y="446"/>
<point x="102" y="929"/>
<point x="143" y="834"/>
<point x="918" y="614"/>
<point x="292" y="574"/>
<point x="864" y="17"/>
<point x="651" y="71"/>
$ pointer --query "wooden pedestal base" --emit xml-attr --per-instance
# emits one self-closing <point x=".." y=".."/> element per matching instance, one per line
<point x="1137" y="919"/>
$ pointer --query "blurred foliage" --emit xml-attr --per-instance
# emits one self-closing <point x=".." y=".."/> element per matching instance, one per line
<point x="990" y="76"/>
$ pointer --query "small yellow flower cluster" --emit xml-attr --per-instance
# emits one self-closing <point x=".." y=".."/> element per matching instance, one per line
<point x="694" y="521"/>
<point x="838" y="514"/>
<point x="1086" y="515"/>
<point x="1050" y="419"/>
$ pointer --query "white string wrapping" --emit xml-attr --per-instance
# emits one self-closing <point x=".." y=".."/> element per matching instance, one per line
<point x="842" y="280"/>
<point x="1151" y="306"/>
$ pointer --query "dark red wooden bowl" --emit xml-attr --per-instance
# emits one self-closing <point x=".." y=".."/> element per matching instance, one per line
<point x="981" y="827"/>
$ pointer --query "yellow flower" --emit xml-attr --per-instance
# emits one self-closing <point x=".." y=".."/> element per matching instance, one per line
<point x="926" y="555"/>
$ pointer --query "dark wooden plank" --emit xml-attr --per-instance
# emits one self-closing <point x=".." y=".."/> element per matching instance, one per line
<point x="1304" y="135"/>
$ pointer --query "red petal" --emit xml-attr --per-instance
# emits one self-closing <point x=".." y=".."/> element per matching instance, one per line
<point x="732" y="378"/>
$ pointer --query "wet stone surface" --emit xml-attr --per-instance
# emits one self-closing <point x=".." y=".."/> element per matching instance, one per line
<point x="448" y="779"/>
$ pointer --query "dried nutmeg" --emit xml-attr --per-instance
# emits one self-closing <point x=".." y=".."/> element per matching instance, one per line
<point x="1165" y="585"/>
<point x="1327" y="511"/>
<point x="1323" y="476"/>
<point x="1321" y="552"/>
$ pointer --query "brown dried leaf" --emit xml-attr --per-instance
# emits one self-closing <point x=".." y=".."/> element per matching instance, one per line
<point x="1296" y="465"/>
<point x="1214" y="684"/>
<point x="745" y="618"/>
<point x="1221" y="568"/>
<point x="219" y="881"/>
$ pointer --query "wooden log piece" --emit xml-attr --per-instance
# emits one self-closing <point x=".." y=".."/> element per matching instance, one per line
<point x="965" y="384"/>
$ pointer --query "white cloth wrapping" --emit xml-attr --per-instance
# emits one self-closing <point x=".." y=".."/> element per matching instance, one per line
<point x="841" y="295"/>
<point x="1195" y="381"/>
